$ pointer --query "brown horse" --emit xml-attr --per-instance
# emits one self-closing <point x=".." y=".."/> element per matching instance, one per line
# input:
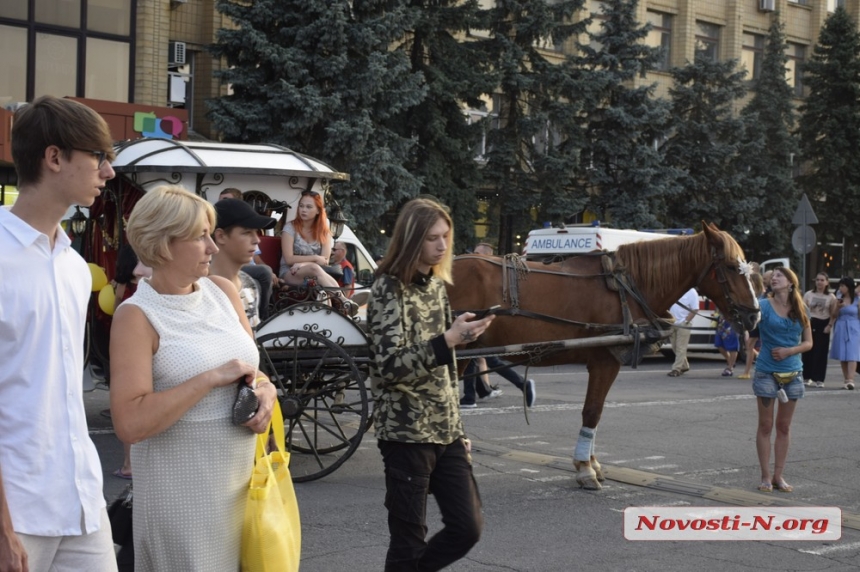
<point x="590" y="295"/>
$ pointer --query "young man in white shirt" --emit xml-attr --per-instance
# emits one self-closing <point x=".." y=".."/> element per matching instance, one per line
<point x="52" y="507"/>
<point x="237" y="238"/>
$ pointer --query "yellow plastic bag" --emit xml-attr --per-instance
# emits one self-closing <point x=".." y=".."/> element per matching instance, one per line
<point x="272" y="532"/>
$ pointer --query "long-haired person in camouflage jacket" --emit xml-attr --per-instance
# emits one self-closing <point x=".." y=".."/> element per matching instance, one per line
<point x="414" y="384"/>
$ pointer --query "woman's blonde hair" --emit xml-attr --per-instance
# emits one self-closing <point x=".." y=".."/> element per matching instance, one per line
<point x="164" y="214"/>
<point x="403" y="256"/>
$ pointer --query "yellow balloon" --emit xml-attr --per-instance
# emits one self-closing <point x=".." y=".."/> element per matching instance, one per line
<point x="107" y="298"/>
<point x="99" y="276"/>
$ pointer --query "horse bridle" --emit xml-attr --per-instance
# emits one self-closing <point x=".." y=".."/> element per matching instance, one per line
<point x="718" y="267"/>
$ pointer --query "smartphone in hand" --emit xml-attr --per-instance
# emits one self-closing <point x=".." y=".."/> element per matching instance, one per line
<point x="481" y="314"/>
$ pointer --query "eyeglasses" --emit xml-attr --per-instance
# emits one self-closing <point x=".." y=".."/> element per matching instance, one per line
<point x="100" y="155"/>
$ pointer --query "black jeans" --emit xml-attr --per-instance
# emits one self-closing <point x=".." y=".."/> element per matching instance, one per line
<point x="815" y="360"/>
<point x="471" y="384"/>
<point x="412" y="470"/>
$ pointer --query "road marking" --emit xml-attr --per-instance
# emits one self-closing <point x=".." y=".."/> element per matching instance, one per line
<point x="102" y="432"/>
<point x="618" y="404"/>
<point x="831" y="549"/>
<point x="655" y="481"/>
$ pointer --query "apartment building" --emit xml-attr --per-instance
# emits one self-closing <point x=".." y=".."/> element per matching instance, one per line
<point x="131" y="57"/>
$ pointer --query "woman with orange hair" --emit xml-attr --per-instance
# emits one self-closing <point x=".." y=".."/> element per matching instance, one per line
<point x="306" y="248"/>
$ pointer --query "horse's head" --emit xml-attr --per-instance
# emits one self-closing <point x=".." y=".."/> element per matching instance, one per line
<point x="726" y="279"/>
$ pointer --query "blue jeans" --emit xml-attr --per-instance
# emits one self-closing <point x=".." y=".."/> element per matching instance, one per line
<point x="471" y="381"/>
<point x="412" y="471"/>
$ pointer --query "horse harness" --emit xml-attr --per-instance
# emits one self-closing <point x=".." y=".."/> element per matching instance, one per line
<point x="617" y="279"/>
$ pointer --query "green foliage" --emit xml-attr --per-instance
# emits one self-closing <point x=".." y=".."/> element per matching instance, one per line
<point x="444" y="153"/>
<point x="770" y="116"/>
<point x="708" y="145"/>
<point x="621" y="166"/>
<point x="829" y="127"/>
<point x="534" y="148"/>
<point x="319" y="77"/>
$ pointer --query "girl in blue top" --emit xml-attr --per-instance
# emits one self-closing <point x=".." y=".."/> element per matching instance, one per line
<point x="785" y="334"/>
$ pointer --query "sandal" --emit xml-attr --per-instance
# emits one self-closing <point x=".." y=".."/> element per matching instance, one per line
<point x="121" y="475"/>
<point x="765" y="487"/>
<point x="744" y="376"/>
<point x="674" y="373"/>
<point x="727" y="372"/>
<point x="848" y="384"/>
<point x="782" y="486"/>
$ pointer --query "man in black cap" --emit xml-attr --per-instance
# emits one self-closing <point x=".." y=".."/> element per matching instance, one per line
<point x="236" y="235"/>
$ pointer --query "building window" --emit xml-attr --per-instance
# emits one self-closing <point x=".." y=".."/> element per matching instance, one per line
<point x="13" y="65"/>
<point x="708" y="40"/>
<point x="78" y="48"/>
<point x="56" y="64"/>
<point x="801" y="2"/>
<point x="752" y="54"/>
<point x="832" y="5"/>
<point x="793" y="74"/>
<point x="660" y="36"/>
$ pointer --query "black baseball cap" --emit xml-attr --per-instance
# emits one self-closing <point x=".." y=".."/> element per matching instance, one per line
<point x="233" y="212"/>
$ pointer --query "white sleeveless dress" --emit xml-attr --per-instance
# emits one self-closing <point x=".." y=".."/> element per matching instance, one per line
<point x="191" y="481"/>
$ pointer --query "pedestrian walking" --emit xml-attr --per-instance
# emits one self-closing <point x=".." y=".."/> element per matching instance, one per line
<point x="52" y="508"/>
<point x="684" y="310"/>
<point x="414" y="385"/>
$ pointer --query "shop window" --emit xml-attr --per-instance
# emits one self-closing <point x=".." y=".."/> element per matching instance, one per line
<point x="13" y="65"/>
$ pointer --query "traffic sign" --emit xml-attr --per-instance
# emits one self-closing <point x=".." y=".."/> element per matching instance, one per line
<point x="803" y="239"/>
<point x="804" y="213"/>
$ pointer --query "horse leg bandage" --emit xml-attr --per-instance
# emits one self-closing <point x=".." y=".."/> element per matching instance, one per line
<point x="584" y="445"/>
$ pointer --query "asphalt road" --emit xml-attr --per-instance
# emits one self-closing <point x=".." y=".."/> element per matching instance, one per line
<point x="667" y="442"/>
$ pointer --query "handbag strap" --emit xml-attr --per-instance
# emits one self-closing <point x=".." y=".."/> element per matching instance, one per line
<point x="276" y="426"/>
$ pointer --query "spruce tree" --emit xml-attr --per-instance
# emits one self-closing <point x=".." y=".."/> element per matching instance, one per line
<point x="534" y="146"/>
<point x="770" y="115"/>
<point x="621" y="166"/>
<point x="829" y="128"/>
<point x="320" y="77"/>
<point x="444" y="156"/>
<point x="707" y="147"/>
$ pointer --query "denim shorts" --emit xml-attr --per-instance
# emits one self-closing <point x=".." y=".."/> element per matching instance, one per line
<point x="764" y="385"/>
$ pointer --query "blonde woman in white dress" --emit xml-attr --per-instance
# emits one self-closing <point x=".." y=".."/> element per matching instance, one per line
<point x="180" y="346"/>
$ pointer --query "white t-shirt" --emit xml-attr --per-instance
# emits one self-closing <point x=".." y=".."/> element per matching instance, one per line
<point x="51" y="469"/>
<point x="689" y="299"/>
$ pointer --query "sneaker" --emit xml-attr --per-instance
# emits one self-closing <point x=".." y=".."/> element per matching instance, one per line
<point x="819" y="384"/>
<point x="468" y="404"/>
<point x="494" y="393"/>
<point x="809" y="383"/>
<point x="848" y="384"/>
<point x="531" y="394"/>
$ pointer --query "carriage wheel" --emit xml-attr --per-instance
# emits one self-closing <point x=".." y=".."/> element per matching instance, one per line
<point x="323" y="397"/>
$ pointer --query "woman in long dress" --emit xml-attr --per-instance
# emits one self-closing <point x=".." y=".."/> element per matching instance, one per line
<point x="181" y="345"/>
<point x="846" y="331"/>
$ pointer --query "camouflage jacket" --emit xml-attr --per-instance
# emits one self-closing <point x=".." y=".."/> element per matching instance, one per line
<point x="413" y="376"/>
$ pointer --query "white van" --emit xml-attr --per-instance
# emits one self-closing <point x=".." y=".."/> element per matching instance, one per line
<point x="581" y="239"/>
